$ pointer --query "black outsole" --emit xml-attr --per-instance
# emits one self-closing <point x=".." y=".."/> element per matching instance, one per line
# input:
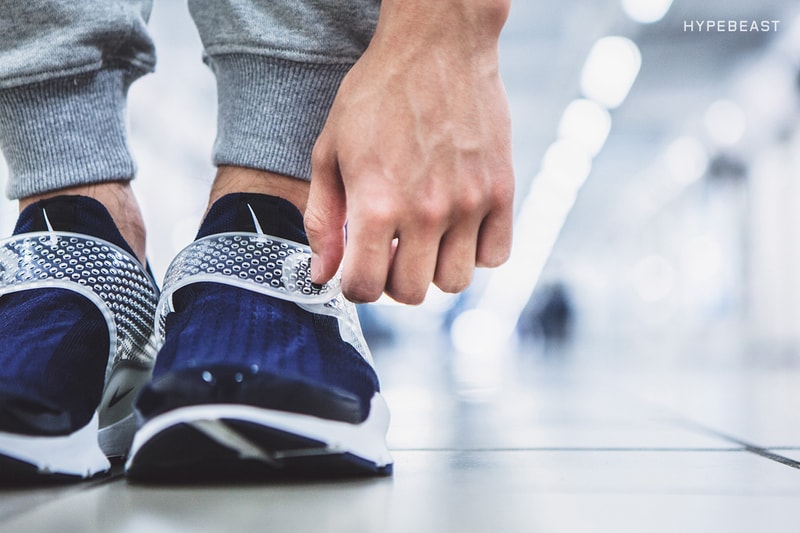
<point x="183" y="455"/>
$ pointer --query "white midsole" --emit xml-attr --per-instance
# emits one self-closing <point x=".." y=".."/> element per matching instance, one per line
<point x="366" y="440"/>
<point x="77" y="454"/>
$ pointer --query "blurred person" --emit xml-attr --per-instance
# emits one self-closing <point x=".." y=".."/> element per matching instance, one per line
<point x="387" y="120"/>
<point x="549" y="316"/>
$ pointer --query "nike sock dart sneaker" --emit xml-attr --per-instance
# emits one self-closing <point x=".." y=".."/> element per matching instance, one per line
<point x="261" y="373"/>
<point x="76" y="341"/>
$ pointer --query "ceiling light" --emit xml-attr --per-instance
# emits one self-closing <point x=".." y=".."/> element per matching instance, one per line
<point x="725" y="123"/>
<point x="567" y="162"/>
<point x="610" y="70"/>
<point x="646" y="11"/>
<point x="686" y="160"/>
<point x="587" y="123"/>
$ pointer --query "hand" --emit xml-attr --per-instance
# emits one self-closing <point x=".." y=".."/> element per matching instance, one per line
<point x="415" y="157"/>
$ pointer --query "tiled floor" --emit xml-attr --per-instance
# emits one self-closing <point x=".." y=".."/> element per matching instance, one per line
<point x="506" y="443"/>
<point x="556" y="447"/>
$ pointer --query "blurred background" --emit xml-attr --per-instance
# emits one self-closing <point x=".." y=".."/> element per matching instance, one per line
<point x="658" y="179"/>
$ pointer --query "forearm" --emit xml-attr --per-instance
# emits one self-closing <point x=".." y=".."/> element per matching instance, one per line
<point x="468" y="26"/>
<point x="435" y="45"/>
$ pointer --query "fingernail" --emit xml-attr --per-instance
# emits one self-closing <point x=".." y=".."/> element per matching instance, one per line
<point x="315" y="271"/>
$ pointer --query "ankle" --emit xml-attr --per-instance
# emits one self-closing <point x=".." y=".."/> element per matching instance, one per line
<point x="231" y="179"/>
<point x="121" y="203"/>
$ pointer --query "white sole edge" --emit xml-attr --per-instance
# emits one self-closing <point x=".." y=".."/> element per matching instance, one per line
<point x="366" y="440"/>
<point x="77" y="454"/>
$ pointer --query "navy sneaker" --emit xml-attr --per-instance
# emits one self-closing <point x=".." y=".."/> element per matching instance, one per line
<point x="261" y="372"/>
<point x="76" y="341"/>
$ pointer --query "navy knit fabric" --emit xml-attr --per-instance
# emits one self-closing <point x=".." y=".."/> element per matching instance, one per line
<point x="222" y="325"/>
<point x="53" y="342"/>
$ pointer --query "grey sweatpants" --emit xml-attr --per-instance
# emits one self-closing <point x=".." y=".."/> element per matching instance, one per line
<point x="66" y="65"/>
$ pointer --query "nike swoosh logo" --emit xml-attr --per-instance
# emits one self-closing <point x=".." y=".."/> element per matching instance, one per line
<point x="255" y="221"/>
<point x="117" y="396"/>
<point x="53" y="239"/>
<point x="47" y="220"/>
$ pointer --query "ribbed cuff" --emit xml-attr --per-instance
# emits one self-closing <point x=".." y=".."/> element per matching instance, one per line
<point x="65" y="132"/>
<point x="271" y="111"/>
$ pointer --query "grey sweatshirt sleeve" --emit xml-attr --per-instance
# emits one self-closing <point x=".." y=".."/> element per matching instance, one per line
<point x="47" y="39"/>
<point x="278" y="67"/>
<point x="65" y="68"/>
<point x="66" y="65"/>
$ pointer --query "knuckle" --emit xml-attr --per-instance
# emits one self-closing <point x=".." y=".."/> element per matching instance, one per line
<point x="313" y="221"/>
<point x="503" y="192"/>
<point x="317" y="156"/>
<point x="431" y="214"/>
<point x="319" y="153"/>
<point x="470" y="201"/>
<point x="378" y="212"/>
<point x="380" y="215"/>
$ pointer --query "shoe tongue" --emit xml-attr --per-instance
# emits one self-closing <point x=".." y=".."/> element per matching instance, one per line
<point x="254" y="213"/>
<point x="74" y="214"/>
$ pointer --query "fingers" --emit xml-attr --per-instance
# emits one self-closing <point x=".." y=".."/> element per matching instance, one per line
<point x="404" y="262"/>
<point x="325" y="216"/>
<point x="456" y="261"/>
<point x="404" y="267"/>
<point x="495" y="234"/>
<point x="367" y="257"/>
<point x="379" y="258"/>
<point x="412" y="268"/>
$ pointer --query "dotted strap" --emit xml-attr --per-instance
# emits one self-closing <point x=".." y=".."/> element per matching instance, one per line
<point x="107" y="275"/>
<point x="262" y="263"/>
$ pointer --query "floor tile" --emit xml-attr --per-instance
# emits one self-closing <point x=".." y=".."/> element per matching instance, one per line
<point x="421" y="419"/>
<point x="754" y="405"/>
<point x="529" y="403"/>
<point x="464" y="491"/>
<point x="592" y="491"/>
<point x="15" y="500"/>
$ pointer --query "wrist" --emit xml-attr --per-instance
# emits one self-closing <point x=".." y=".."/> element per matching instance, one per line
<point x="468" y="25"/>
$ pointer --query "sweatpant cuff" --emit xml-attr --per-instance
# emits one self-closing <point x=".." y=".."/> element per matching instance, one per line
<point x="271" y="111"/>
<point x="65" y="132"/>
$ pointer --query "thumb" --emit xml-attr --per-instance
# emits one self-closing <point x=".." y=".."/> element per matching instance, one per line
<point x="325" y="216"/>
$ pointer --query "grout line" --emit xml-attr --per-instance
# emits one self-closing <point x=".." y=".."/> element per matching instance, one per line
<point x="763" y="452"/>
<point x="766" y="453"/>
<point x="742" y="448"/>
